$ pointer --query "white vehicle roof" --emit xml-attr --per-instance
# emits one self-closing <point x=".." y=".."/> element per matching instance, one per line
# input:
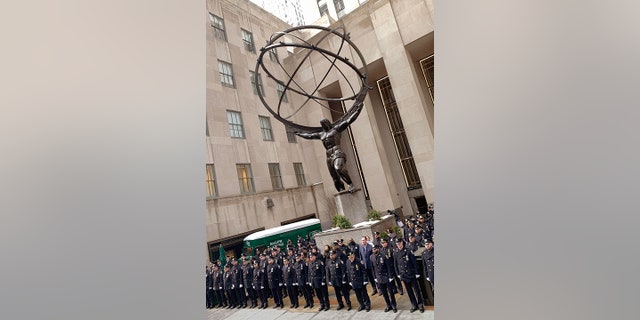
<point x="281" y="229"/>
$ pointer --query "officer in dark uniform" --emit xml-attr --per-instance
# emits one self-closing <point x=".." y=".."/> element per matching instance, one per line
<point x="383" y="275"/>
<point x="247" y="276"/>
<point x="274" y="279"/>
<point x="238" y="283"/>
<point x="357" y="276"/>
<point x="317" y="281"/>
<point x="388" y="251"/>
<point x="413" y="244"/>
<point x="376" y="238"/>
<point x="229" y="287"/>
<point x="337" y="278"/>
<point x="257" y="282"/>
<point x="302" y="272"/>
<point x="407" y="269"/>
<point x="427" y="262"/>
<point x="289" y="279"/>
<point x="208" y="273"/>
<point x="218" y="284"/>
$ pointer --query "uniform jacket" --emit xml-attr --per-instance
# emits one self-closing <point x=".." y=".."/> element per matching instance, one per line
<point x="302" y="271"/>
<point x="427" y="263"/>
<point x="247" y="275"/>
<point x="382" y="268"/>
<point x="288" y="275"/>
<point x="218" y="280"/>
<point x="257" y="279"/>
<point x="336" y="272"/>
<point x="227" y="280"/>
<point x="406" y="264"/>
<point x="356" y="274"/>
<point x="236" y="272"/>
<point x="209" y="277"/>
<point x="316" y="274"/>
<point x="274" y="275"/>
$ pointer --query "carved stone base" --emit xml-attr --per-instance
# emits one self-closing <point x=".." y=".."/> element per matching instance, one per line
<point x="352" y="205"/>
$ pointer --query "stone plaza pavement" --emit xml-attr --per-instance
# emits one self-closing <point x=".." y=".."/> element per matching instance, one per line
<point x="377" y="311"/>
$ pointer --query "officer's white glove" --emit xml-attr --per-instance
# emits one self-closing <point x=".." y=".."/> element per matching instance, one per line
<point x="240" y="286"/>
<point x="261" y="287"/>
<point x="364" y="283"/>
<point x="343" y="282"/>
<point x="428" y="279"/>
<point x="210" y="288"/>
<point x="390" y="279"/>
<point x="417" y="276"/>
<point x="295" y="284"/>
<point x="376" y="280"/>
<point x="399" y="277"/>
<point x="233" y="286"/>
<point x="322" y="283"/>
<point x="279" y="284"/>
<point x="330" y="284"/>
<point x="351" y="284"/>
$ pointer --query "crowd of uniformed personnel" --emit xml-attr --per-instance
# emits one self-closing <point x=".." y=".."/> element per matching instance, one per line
<point x="305" y="271"/>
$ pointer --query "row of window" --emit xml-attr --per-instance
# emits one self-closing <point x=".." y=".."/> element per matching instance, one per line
<point x="236" y="127"/>
<point x="245" y="178"/>
<point x="220" y="32"/>
<point x="227" y="79"/>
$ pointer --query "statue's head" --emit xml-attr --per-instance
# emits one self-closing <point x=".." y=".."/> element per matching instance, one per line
<point x="326" y="124"/>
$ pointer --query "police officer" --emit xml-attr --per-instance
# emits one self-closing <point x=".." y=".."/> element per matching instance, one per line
<point x="317" y="280"/>
<point x="427" y="262"/>
<point x="407" y="269"/>
<point x="376" y="239"/>
<point x="357" y="276"/>
<point x="290" y="282"/>
<point x="274" y="279"/>
<point x="247" y="276"/>
<point x="337" y="278"/>
<point x="383" y="275"/>
<point x="229" y="287"/>
<point x="413" y="244"/>
<point x="388" y="251"/>
<point x="257" y="282"/>
<point x="218" y="284"/>
<point x="302" y="270"/>
<point x="209" y="286"/>
<point x="238" y="283"/>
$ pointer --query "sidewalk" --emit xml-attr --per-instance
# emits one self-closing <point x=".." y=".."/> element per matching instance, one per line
<point x="377" y="311"/>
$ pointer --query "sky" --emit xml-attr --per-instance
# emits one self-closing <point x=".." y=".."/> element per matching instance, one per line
<point x="309" y="9"/>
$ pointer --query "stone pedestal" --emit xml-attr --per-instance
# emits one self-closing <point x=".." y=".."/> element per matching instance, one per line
<point x="352" y="205"/>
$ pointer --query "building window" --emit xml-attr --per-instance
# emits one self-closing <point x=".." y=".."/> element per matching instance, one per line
<point x="235" y="124"/>
<point x="291" y="135"/>
<point x="297" y="167"/>
<point x="265" y="127"/>
<point x="427" y="71"/>
<point x="226" y="74"/>
<point x="282" y="95"/>
<point x="212" y="187"/>
<point x="218" y="27"/>
<point x="322" y="7"/>
<point x="273" y="55"/>
<point x="339" y="4"/>
<point x="403" y="150"/>
<point x="245" y="178"/>
<point x="247" y="38"/>
<point x="256" y="83"/>
<point x="276" y="177"/>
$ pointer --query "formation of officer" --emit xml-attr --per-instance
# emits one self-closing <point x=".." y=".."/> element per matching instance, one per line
<point x="303" y="271"/>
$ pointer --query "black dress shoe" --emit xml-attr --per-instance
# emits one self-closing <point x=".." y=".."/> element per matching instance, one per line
<point x="421" y="309"/>
<point x="368" y="308"/>
<point x="413" y="309"/>
<point x="340" y="308"/>
<point x="387" y="309"/>
<point x="348" y="307"/>
<point x="321" y="308"/>
<point x="326" y="308"/>
<point x="360" y="308"/>
<point x="395" y="309"/>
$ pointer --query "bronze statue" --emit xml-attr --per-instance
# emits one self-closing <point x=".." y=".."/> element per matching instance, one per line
<point x="330" y="137"/>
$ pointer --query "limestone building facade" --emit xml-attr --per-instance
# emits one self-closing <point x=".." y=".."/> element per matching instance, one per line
<point x="260" y="175"/>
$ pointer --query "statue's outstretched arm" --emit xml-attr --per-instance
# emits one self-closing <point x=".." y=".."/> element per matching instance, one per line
<point x="354" y="112"/>
<point x="308" y="135"/>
